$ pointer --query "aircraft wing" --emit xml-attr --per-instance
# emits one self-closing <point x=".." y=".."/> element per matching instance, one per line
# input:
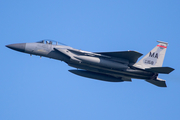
<point x="132" y="56"/>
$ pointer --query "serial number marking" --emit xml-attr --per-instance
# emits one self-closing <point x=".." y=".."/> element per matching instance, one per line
<point x="149" y="62"/>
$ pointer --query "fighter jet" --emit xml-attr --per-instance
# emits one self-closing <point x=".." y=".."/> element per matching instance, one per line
<point x="117" y="66"/>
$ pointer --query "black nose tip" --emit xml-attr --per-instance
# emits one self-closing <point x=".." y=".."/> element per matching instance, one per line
<point x="19" y="47"/>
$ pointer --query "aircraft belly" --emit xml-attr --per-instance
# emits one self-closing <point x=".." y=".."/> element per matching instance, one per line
<point x="107" y="71"/>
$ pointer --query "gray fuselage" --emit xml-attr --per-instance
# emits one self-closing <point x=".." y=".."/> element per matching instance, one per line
<point x="87" y="60"/>
<point x="115" y="66"/>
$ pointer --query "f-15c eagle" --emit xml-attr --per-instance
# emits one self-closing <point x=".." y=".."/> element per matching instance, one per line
<point x="106" y="66"/>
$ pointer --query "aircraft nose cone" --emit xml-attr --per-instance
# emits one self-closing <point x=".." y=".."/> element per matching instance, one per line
<point x="18" y="47"/>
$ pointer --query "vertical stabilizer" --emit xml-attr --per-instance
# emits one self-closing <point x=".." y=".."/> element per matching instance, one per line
<point x="154" y="58"/>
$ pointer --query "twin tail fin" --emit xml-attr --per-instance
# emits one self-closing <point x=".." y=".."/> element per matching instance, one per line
<point x="153" y="62"/>
<point x="154" y="58"/>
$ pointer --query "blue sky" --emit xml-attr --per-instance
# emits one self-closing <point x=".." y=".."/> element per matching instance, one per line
<point x="32" y="88"/>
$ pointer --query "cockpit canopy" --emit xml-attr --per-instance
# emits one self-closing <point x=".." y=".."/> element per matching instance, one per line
<point x="50" y="42"/>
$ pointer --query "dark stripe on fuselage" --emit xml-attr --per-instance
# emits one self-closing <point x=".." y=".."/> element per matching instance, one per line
<point x="138" y="74"/>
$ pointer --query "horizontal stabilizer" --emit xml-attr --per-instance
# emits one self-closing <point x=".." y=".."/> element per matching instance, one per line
<point x="163" y="70"/>
<point x="158" y="82"/>
<point x="97" y="76"/>
<point x="132" y="56"/>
